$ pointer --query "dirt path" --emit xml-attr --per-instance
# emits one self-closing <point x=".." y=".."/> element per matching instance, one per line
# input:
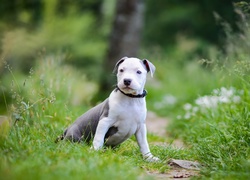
<point x="157" y="125"/>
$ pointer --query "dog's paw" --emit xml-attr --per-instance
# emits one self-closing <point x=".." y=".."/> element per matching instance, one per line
<point x="96" y="148"/>
<point x="97" y="145"/>
<point x="150" y="158"/>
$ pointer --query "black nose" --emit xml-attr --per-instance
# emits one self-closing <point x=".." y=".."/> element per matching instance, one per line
<point x="127" y="82"/>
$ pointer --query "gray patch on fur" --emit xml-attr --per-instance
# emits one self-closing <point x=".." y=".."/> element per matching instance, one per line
<point x="84" y="128"/>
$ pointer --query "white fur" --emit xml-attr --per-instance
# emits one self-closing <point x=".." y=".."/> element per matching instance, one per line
<point x="130" y="67"/>
<point x="126" y="113"/>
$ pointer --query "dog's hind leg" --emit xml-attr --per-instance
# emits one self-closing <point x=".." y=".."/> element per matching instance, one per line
<point x="72" y="133"/>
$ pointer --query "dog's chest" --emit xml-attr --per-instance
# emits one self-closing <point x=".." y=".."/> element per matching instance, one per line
<point x="127" y="117"/>
<point x="128" y="114"/>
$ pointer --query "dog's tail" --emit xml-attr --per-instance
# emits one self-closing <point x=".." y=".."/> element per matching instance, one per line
<point x="59" y="138"/>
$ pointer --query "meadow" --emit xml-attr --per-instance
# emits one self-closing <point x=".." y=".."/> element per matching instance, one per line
<point x="207" y="101"/>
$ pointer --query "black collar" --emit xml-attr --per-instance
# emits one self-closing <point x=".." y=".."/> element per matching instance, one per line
<point x="133" y="96"/>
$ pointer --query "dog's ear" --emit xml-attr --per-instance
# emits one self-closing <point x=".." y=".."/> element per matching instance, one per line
<point x="149" y="66"/>
<point x="118" y="63"/>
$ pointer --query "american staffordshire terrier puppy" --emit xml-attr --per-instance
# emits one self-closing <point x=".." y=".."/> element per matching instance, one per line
<point x="121" y="115"/>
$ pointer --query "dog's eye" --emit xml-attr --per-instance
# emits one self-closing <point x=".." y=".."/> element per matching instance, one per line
<point x="121" y="70"/>
<point x="138" y="72"/>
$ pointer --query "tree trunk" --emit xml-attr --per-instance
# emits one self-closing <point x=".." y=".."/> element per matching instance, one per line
<point x="124" y="39"/>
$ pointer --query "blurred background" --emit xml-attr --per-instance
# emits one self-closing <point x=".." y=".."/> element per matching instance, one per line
<point x="89" y="36"/>
<point x="56" y="62"/>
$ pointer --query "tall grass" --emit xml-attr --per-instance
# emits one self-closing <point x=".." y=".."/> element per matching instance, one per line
<point x="219" y="137"/>
<point x="208" y="105"/>
<point x="49" y="86"/>
<point x="42" y="105"/>
<point x="219" y="133"/>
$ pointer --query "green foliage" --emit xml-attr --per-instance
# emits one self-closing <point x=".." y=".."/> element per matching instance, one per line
<point x="165" y="20"/>
<point x="47" y="99"/>
<point x="27" y="157"/>
<point x="243" y="6"/>
<point x="219" y="133"/>
<point x="220" y="138"/>
<point x="43" y="104"/>
<point x="68" y="34"/>
<point x="47" y="92"/>
<point x="176" y="83"/>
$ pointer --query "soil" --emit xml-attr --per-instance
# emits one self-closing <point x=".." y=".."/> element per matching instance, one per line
<point x="157" y="126"/>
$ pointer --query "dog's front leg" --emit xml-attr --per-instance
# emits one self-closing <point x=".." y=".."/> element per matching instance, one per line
<point x="141" y="137"/>
<point x="101" y="130"/>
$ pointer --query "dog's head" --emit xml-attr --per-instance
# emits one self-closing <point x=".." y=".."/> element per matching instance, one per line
<point x="132" y="73"/>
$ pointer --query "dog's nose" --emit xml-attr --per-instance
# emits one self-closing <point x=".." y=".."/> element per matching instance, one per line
<point x="127" y="82"/>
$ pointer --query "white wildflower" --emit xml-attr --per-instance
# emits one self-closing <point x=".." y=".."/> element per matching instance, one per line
<point x="207" y="101"/>
<point x="195" y="109"/>
<point x="227" y="92"/>
<point x="187" y="106"/>
<point x="219" y="96"/>
<point x="187" y="116"/>
<point x="179" y="117"/>
<point x="159" y="105"/>
<point x="170" y="99"/>
<point x="224" y="99"/>
<point x="236" y="99"/>
<point x="167" y="100"/>
<point x="216" y="91"/>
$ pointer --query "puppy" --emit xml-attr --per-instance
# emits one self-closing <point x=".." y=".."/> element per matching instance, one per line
<point x="121" y="115"/>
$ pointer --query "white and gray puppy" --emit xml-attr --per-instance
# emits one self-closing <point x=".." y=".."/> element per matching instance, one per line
<point x="121" y="115"/>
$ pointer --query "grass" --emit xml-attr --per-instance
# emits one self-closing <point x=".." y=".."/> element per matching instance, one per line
<point x="217" y="132"/>
<point x="45" y="101"/>
<point x="43" y="105"/>
<point x="30" y="152"/>
<point x="39" y="157"/>
<point x="220" y="140"/>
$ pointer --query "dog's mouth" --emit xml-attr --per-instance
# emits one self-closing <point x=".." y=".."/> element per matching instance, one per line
<point x="128" y="89"/>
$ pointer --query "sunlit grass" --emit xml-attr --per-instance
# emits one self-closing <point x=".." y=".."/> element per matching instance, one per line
<point x="208" y="106"/>
<point x="216" y="124"/>
<point x="43" y="103"/>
